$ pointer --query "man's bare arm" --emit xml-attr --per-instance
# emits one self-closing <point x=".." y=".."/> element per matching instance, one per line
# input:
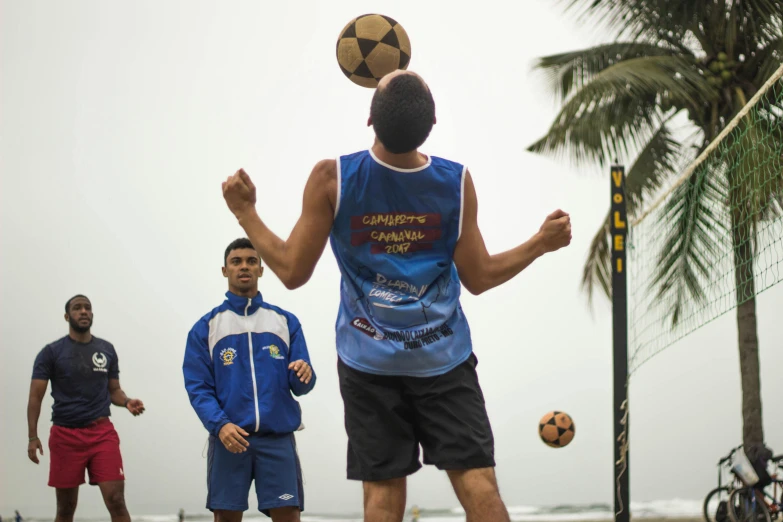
<point x="292" y="260"/>
<point x="119" y="398"/>
<point x="116" y="394"/>
<point x="34" y="400"/>
<point x="478" y="270"/>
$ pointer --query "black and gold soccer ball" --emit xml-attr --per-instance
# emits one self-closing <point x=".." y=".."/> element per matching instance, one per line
<point x="371" y="46"/>
<point x="556" y="429"/>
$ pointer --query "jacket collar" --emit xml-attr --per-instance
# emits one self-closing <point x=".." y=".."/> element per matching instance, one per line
<point x="238" y="303"/>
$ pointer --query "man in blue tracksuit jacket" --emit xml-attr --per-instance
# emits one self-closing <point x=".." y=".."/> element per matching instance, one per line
<point x="242" y="362"/>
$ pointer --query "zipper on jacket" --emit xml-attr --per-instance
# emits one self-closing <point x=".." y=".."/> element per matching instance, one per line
<point x="253" y="369"/>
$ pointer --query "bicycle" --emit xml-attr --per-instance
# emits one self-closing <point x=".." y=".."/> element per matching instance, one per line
<point x="750" y="503"/>
<point x="721" y="493"/>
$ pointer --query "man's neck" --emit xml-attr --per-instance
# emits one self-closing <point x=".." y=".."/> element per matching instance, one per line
<point x="80" y="337"/>
<point x="408" y="160"/>
<point x="244" y="293"/>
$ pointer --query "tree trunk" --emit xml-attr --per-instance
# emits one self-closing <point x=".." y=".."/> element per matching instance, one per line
<point x="742" y="230"/>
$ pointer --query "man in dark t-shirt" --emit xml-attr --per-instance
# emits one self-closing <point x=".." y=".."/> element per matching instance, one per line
<point x="85" y="377"/>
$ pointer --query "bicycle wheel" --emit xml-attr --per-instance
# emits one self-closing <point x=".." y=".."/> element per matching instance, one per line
<point x="713" y="510"/>
<point x="745" y="506"/>
<point x="775" y="498"/>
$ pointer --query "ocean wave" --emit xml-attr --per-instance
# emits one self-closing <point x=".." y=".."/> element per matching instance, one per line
<point x="674" y="508"/>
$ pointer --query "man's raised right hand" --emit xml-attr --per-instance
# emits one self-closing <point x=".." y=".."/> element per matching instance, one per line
<point x="232" y="438"/>
<point x="555" y="233"/>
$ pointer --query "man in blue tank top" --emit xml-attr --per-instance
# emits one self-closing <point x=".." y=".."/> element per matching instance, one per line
<point x="404" y="231"/>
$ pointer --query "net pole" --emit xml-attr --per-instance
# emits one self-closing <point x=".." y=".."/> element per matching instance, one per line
<point x="619" y="229"/>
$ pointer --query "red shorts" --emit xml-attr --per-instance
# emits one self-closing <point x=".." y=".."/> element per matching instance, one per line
<point x="95" y="448"/>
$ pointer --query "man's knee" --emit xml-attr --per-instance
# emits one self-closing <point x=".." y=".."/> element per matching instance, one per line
<point x="477" y="490"/>
<point x="115" y="503"/>
<point x="384" y="489"/>
<point x="66" y="508"/>
<point x="285" y="514"/>
<point x="223" y="515"/>
<point x="475" y="486"/>
<point x="476" y="478"/>
<point x="66" y="504"/>
<point x="386" y="496"/>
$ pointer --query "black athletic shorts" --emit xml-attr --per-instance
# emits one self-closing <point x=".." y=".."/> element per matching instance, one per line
<point x="388" y="417"/>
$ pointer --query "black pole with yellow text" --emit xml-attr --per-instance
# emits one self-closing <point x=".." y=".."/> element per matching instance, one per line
<point x="619" y="230"/>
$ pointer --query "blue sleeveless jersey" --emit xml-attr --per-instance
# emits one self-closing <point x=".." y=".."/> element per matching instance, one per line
<point x="394" y="236"/>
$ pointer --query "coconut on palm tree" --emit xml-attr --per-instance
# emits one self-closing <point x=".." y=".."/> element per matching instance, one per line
<point x="697" y="61"/>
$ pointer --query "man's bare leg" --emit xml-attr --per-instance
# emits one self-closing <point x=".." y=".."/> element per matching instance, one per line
<point x="66" y="503"/>
<point x="285" y="514"/>
<point x="224" y="515"/>
<point x="477" y="491"/>
<point x="384" y="500"/>
<point x="114" y="497"/>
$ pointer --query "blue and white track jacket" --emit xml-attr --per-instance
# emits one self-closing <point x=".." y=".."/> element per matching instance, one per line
<point x="236" y="367"/>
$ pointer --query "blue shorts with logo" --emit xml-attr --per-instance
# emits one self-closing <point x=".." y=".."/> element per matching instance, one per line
<point x="271" y="460"/>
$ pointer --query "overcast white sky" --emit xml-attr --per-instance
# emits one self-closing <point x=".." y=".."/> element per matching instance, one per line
<point x="119" y="120"/>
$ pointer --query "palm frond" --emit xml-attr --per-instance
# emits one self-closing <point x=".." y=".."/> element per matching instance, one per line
<point x="655" y="164"/>
<point x="572" y="70"/>
<point x="597" y="271"/>
<point x="765" y="62"/>
<point x="690" y="248"/>
<point x="762" y="17"/>
<point x="609" y="128"/>
<point x="646" y="19"/>
<point x="618" y="110"/>
<point x="677" y="76"/>
<point x="716" y="24"/>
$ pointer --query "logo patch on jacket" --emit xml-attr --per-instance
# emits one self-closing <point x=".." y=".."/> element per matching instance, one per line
<point x="274" y="351"/>
<point x="227" y="355"/>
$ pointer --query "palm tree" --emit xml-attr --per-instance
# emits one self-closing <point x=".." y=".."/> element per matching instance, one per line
<point x="699" y="61"/>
